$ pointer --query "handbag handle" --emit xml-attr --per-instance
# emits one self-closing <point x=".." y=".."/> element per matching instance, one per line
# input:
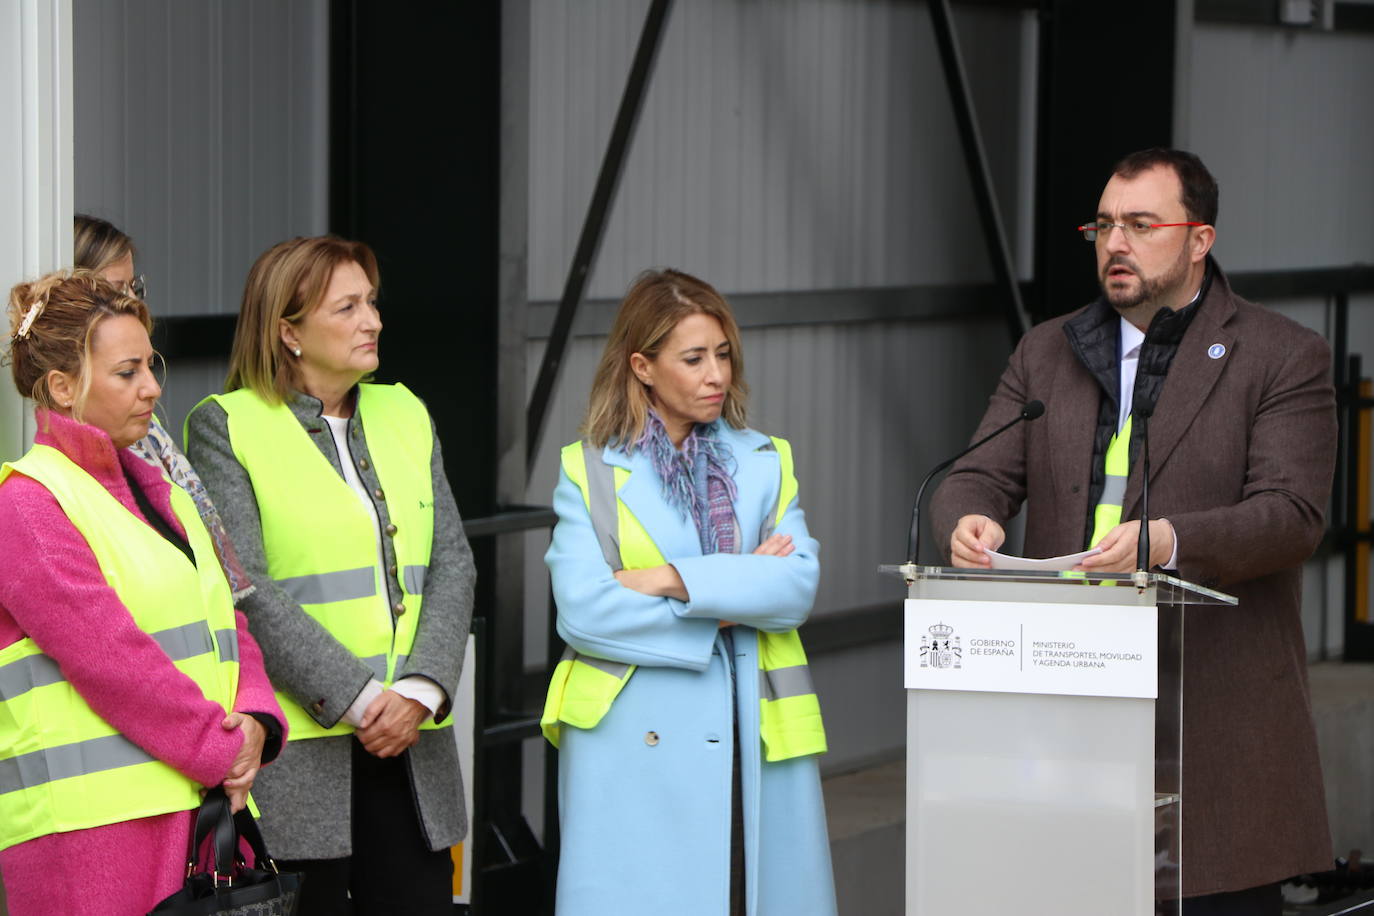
<point x="215" y="822"/>
<point x="247" y="828"/>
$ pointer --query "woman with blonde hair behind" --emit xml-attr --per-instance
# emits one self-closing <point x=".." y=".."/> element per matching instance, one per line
<point x="333" y="490"/>
<point x="102" y="248"/>
<point x="127" y="681"/>
<point x="683" y="710"/>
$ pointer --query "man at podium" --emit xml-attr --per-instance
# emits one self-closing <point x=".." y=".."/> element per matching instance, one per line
<point x="1241" y="442"/>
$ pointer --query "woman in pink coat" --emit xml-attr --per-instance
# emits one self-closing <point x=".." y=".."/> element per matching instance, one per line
<point x="80" y="349"/>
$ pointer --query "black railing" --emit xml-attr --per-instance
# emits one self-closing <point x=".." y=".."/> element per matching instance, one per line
<point x="512" y="871"/>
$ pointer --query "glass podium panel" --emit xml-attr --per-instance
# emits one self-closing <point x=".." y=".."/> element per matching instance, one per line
<point x="1074" y="802"/>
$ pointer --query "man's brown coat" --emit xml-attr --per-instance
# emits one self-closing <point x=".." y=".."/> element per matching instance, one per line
<point x="1242" y="447"/>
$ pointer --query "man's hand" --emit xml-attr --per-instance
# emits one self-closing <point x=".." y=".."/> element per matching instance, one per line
<point x="1119" y="547"/>
<point x="391" y="724"/>
<point x="247" y="761"/>
<point x="974" y="535"/>
<point x="658" y="581"/>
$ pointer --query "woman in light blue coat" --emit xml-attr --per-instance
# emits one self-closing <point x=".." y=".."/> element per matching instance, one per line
<point x="667" y="803"/>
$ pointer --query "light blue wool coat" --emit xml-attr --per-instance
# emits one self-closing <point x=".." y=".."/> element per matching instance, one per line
<point x="646" y="819"/>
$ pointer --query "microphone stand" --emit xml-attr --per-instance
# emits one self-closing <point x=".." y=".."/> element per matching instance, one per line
<point x="1030" y="411"/>
<point x="1142" y="554"/>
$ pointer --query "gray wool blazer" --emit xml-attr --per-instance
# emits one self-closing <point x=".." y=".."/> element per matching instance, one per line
<point x="305" y="795"/>
<point x="1242" y="449"/>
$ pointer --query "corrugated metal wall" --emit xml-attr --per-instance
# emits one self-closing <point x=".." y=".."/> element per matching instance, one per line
<point x="1282" y="118"/>
<point x="201" y="130"/>
<point x="804" y="146"/>
<point x="783" y="145"/>
<point x="791" y="146"/>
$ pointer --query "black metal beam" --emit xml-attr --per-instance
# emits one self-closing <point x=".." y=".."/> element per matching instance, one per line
<point x="179" y="337"/>
<point x="1262" y="285"/>
<point x="1345" y="17"/>
<point x="1078" y="141"/>
<point x="594" y="225"/>
<point x="510" y="520"/>
<point x="209" y="336"/>
<point x="975" y="157"/>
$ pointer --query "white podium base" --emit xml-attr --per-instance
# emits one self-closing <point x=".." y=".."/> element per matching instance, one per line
<point x="1029" y="804"/>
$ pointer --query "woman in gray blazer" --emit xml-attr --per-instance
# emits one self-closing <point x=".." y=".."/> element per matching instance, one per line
<point x="334" y="492"/>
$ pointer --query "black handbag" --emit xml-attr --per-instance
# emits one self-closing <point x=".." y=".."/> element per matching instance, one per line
<point x="231" y="887"/>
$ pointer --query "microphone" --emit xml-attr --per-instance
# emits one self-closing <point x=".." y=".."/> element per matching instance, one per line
<point x="1031" y="411"/>
<point x="1142" y="553"/>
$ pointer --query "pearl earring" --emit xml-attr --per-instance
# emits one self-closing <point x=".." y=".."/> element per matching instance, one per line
<point x="297" y="351"/>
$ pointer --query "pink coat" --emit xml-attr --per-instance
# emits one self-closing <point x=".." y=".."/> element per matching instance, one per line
<point x="52" y="590"/>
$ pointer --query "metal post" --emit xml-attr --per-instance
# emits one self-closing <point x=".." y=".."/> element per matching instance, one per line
<point x="594" y="226"/>
<point x="1356" y="640"/>
<point x="994" y="234"/>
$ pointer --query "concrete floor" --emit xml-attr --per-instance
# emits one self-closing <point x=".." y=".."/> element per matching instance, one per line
<point x="866" y="812"/>
<point x="1343" y="709"/>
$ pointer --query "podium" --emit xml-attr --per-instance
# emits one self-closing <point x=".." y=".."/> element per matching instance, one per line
<point x="1044" y="741"/>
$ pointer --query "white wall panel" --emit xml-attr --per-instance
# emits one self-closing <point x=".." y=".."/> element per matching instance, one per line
<point x="782" y="145"/>
<point x="35" y="169"/>
<point x="1282" y="118"/>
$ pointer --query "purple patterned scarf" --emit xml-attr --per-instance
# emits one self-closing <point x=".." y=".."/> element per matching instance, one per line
<point x="697" y="481"/>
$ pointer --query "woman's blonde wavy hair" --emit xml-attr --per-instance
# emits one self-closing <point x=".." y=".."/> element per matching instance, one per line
<point x="62" y="310"/>
<point x="657" y="300"/>
<point x="286" y="282"/>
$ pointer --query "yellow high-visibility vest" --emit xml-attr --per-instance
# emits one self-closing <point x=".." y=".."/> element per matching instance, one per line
<point x="583" y="688"/>
<point x="63" y="767"/>
<point x="321" y="542"/>
<point x="1107" y="514"/>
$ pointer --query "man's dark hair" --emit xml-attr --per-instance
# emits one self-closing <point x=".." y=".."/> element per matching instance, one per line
<point x="1199" y="187"/>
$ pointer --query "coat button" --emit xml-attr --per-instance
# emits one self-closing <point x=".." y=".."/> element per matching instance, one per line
<point x="391" y="570"/>
<point x="1074" y="488"/>
<point x="398" y="608"/>
<point x="381" y="496"/>
<point x="651" y="738"/>
<point x="355" y="432"/>
<point x="391" y="530"/>
<point x="317" y="707"/>
<point x="364" y="463"/>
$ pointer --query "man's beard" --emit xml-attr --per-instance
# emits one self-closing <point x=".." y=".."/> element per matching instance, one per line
<point x="1153" y="292"/>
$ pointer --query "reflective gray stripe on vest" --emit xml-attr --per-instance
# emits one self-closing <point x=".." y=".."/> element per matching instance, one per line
<point x="322" y="588"/>
<point x="186" y="641"/>
<point x="614" y="669"/>
<point x="413" y="578"/>
<point x="180" y="643"/>
<point x="1113" y="491"/>
<point x="37" y="768"/>
<point x="770" y="520"/>
<point x="228" y="645"/>
<point x="401" y="663"/>
<point x="19" y="677"/>
<point x="601" y="505"/>
<point x="780" y="683"/>
<point x="378" y="665"/>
